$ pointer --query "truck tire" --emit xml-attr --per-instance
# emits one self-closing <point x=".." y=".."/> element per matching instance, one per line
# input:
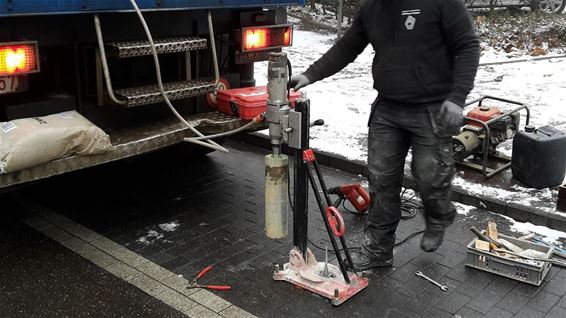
<point x="548" y="6"/>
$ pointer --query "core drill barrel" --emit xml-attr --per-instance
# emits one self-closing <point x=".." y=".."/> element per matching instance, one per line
<point x="276" y="201"/>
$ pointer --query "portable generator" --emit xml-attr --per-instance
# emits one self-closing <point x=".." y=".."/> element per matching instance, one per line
<point x="486" y="128"/>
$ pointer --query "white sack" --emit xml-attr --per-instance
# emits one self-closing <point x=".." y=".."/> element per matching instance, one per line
<point x="29" y="142"/>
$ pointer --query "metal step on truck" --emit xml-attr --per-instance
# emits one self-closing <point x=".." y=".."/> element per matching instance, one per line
<point x="97" y="57"/>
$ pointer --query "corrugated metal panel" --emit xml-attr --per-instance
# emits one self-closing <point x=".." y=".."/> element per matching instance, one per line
<point x="30" y="7"/>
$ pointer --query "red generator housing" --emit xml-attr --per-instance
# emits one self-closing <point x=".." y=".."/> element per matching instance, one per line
<point x="247" y="102"/>
<point x="483" y="113"/>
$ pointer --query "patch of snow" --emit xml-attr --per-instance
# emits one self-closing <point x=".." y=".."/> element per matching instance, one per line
<point x="463" y="209"/>
<point x="150" y="237"/>
<point x="550" y="236"/>
<point x="170" y="227"/>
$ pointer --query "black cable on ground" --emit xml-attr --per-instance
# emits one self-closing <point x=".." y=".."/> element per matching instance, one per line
<point x="408" y="205"/>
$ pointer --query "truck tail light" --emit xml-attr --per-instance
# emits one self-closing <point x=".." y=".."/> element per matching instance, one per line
<point x="18" y="58"/>
<point x="266" y="37"/>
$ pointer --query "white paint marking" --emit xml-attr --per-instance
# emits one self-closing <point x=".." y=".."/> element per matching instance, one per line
<point x="151" y="278"/>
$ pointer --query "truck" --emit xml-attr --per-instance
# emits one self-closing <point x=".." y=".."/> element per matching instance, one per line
<point x="96" y="58"/>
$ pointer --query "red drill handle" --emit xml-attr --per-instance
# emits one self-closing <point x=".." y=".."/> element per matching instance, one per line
<point x="357" y="195"/>
<point x="336" y="221"/>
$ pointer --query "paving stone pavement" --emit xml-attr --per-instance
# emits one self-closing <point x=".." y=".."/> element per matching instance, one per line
<point x="217" y="203"/>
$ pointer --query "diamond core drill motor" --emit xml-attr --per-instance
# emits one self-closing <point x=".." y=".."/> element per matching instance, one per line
<point x="291" y="127"/>
<point x="276" y="164"/>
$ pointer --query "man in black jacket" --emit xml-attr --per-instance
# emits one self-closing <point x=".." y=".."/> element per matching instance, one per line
<point x="426" y="59"/>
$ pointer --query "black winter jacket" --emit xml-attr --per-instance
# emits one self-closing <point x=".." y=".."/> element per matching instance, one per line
<point x="425" y="50"/>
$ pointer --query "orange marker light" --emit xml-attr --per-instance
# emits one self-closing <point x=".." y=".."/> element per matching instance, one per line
<point x="266" y="37"/>
<point x="255" y="39"/>
<point x="287" y="37"/>
<point x="18" y="59"/>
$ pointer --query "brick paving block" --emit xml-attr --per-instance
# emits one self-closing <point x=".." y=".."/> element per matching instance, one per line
<point x="452" y="259"/>
<point x="453" y="302"/>
<point x="484" y="302"/>
<point x="556" y="286"/>
<point x="553" y="272"/>
<point x="460" y="272"/>
<point x="426" y="259"/>
<point x="469" y="313"/>
<point x="401" y="258"/>
<point x="386" y="283"/>
<point x="436" y="313"/>
<point x="513" y="302"/>
<point x="562" y="273"/>
<point x="237" y="260"/>
<point x="542" y="301"/>
<point x="496" y="312"/>
<point x="415" y="286"/>
<point x="526" y="289"/>
<point x="529" y="313"/>
<point x="380" y="273"/>
<point x="260" y="300"/>
<point x="500" y="286"/>
<point x="562" y="302"/>
<point x="436" y="271"/>
<point x="475" y="284"/>
<point x="556" y="312"/>
<point x="422" y="302"/>
<point x="434" y="291"/>
<point x="390" y="304"/>
<point x="268" y="259"/>
<point x="405" y="273"/>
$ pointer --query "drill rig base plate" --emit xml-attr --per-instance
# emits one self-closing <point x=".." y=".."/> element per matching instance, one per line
<point x="312" y="276"/>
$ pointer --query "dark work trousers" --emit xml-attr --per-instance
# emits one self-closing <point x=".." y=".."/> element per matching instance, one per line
<point x="393" y="129"/>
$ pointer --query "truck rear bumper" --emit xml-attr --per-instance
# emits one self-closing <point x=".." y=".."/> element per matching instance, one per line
<point x="128" y="143"/>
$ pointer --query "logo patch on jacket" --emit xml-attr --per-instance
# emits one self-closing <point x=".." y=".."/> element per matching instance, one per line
<point x="411" y="20"/>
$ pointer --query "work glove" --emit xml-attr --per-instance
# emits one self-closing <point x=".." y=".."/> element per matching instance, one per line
<point x="451" y="117"/>
<point x="299" y="81"/>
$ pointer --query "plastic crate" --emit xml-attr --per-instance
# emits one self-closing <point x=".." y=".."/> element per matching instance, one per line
<point x="527" y="271"/>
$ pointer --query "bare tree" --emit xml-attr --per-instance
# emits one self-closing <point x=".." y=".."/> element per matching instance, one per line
<point x="313" y="5"/>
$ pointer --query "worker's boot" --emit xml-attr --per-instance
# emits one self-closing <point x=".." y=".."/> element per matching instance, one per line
<point x="432" y="237"/>
<point x="376" y="251"/>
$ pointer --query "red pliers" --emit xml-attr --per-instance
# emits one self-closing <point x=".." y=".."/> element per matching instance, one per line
<point x="194" y="283"/>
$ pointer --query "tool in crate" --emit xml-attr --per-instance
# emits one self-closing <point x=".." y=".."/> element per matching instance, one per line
<point x="508" y="256"/>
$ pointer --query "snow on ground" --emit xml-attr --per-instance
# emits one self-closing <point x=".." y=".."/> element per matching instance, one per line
<point x="150" y="237"/>
<point x="550" y="236"/>
<point x="344" y="102"/>
<point x="170" y="227"/>
<point x="153" y="235"/>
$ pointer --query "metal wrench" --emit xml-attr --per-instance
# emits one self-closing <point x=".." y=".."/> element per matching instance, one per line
<point x="419" y="273"/>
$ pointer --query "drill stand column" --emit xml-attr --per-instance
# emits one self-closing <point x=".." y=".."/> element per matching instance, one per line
<point x="303" y="270"/>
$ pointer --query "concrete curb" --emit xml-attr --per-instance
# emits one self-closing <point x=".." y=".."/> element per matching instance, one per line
<point x="519" y="212"/>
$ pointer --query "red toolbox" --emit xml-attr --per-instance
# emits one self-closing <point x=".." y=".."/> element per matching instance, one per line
<point x="247" y="102"/>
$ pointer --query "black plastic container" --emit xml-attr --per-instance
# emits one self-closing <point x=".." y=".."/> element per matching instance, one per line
<point x="539" y="157"/>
